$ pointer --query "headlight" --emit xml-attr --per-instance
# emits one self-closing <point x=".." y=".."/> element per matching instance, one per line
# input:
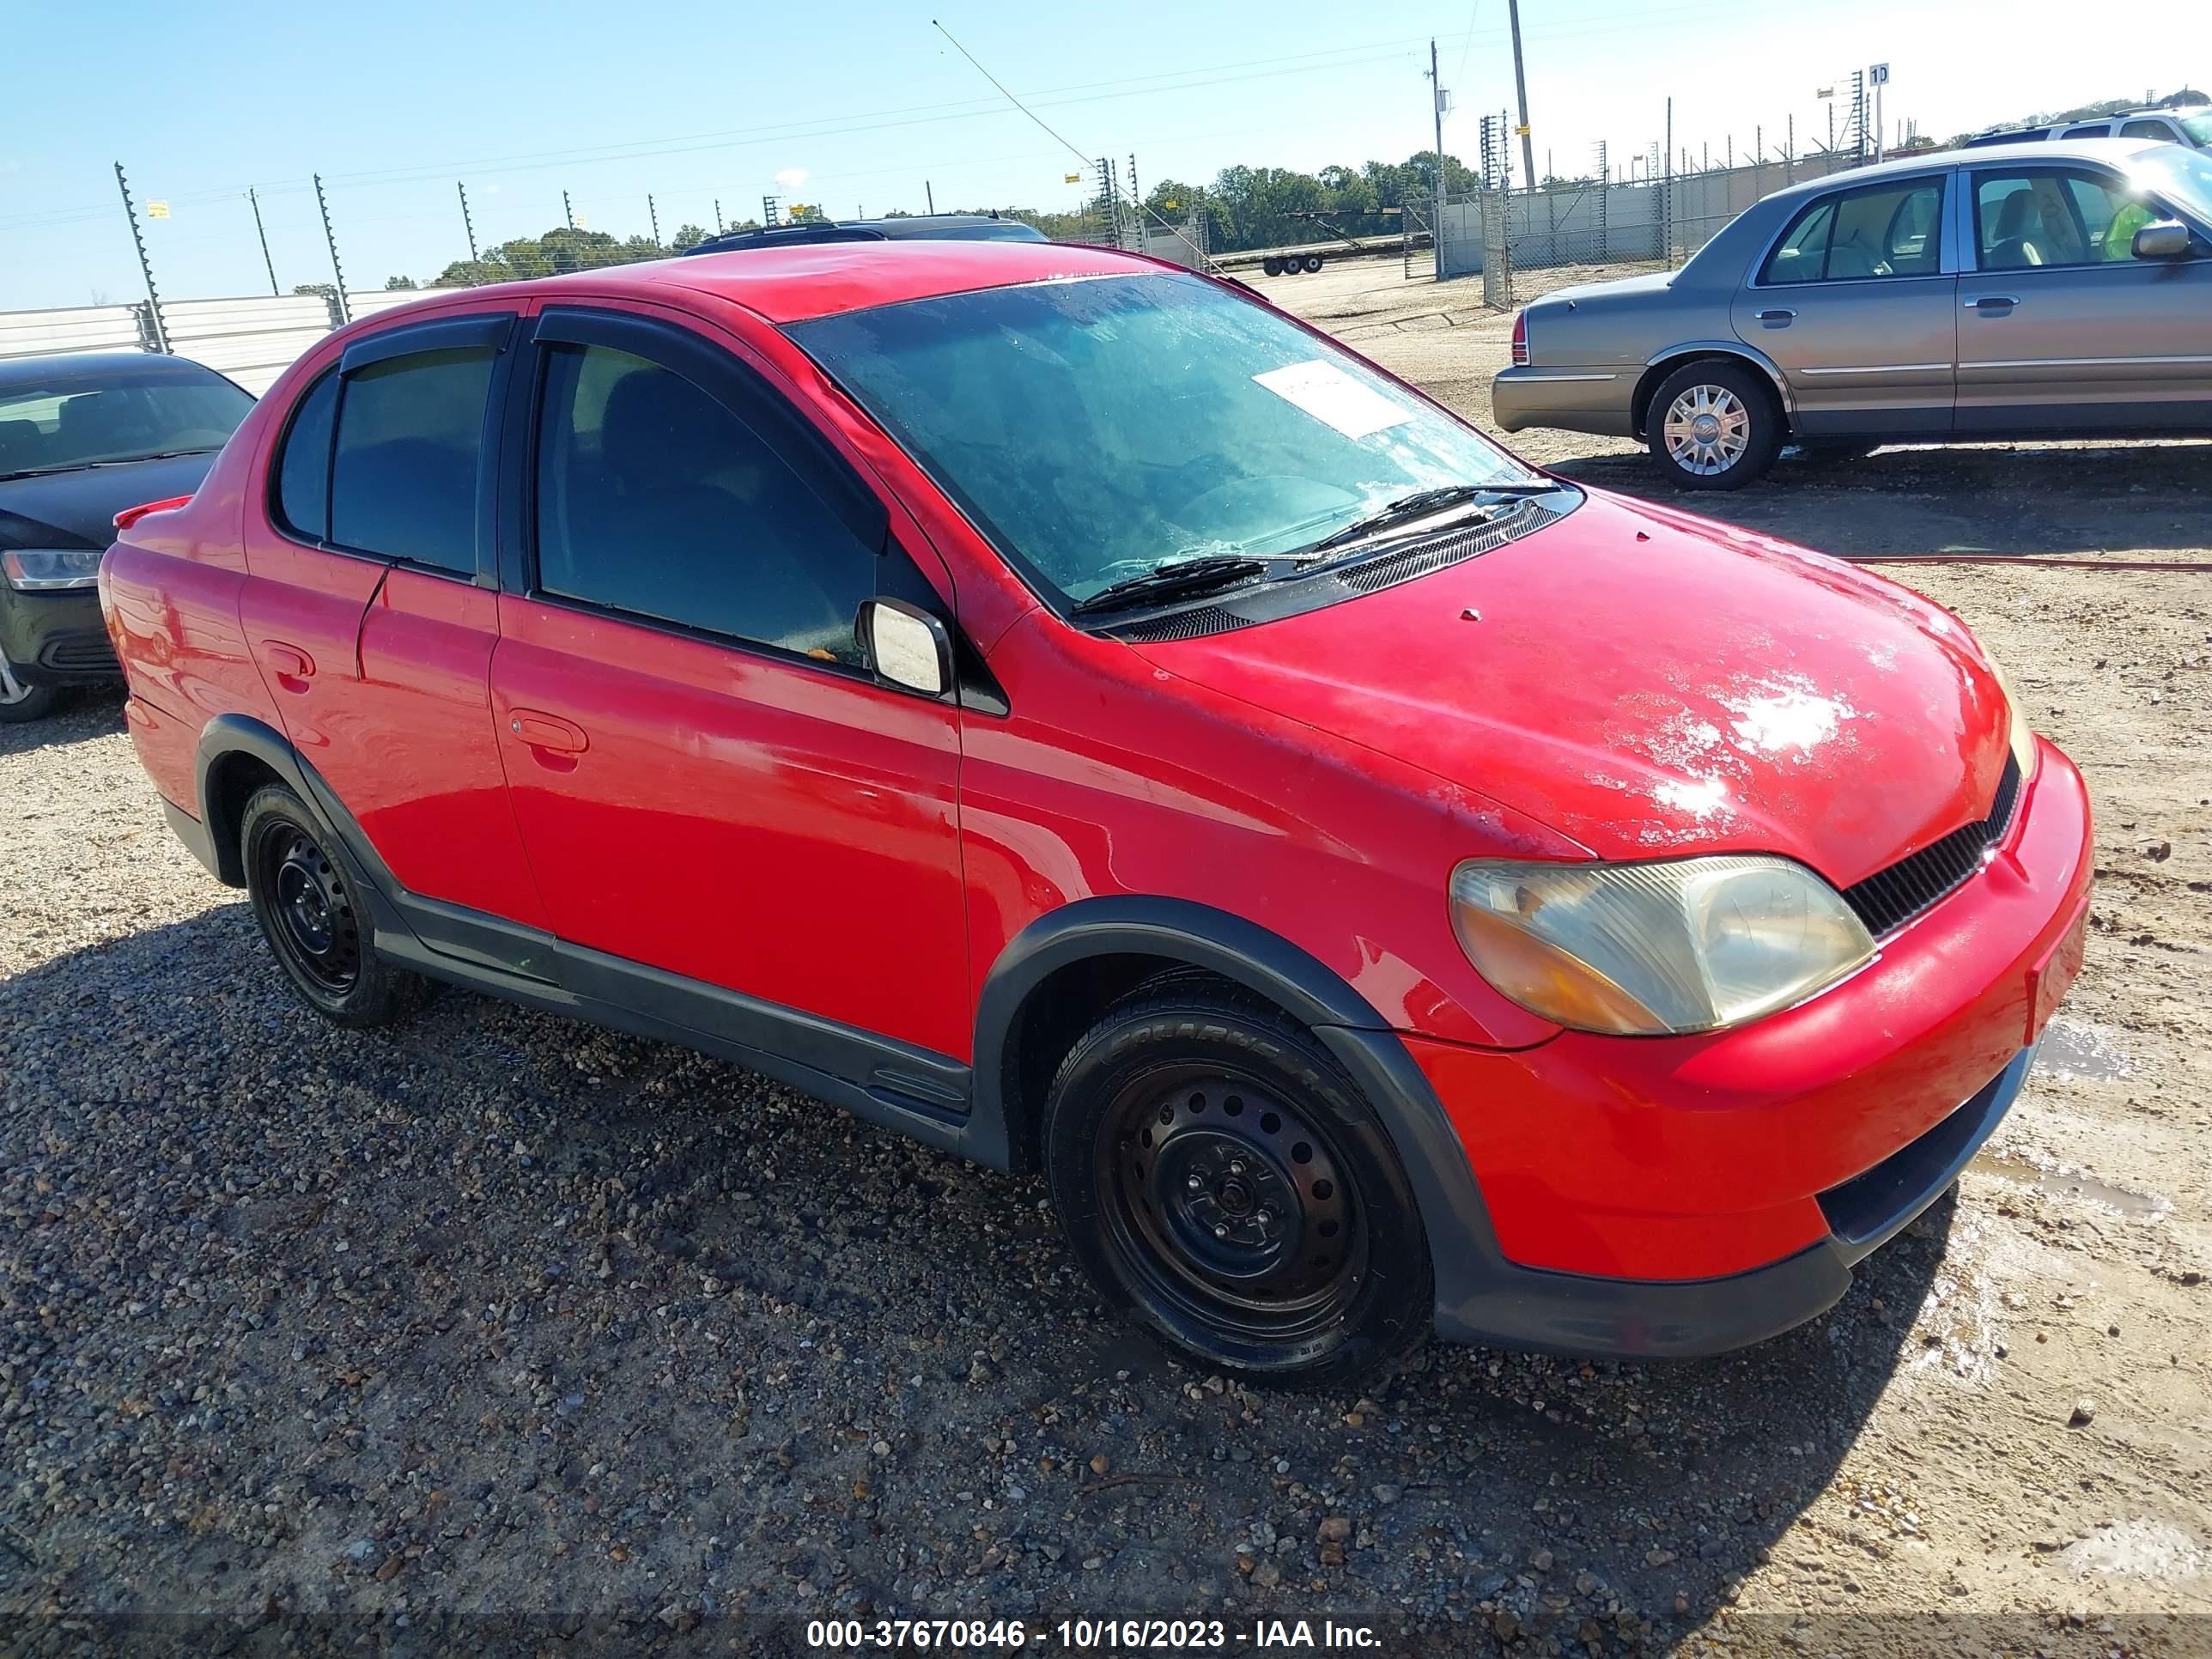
<point x="31" y="570"/>
<point x="1691" y="945"/>
<point x="2020" y="734"/>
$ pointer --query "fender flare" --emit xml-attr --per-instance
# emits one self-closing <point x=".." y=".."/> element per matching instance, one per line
<point x="1463" y="1246"/>
<point x="228" y="736"/>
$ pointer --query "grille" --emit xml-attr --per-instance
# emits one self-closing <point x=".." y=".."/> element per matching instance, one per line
<point x="79" y="653"/>
<point x="1394" y="568"/>
<point x="1183" y="625"/>
<point x="1889" y="898"/>
<point x="1366" y="577"/>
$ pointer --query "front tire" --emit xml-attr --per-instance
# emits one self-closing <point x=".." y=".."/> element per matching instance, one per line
<point x="19" y="702"/>
<point x="315" y="926"/>
<point x="1714" y="426"/>
<point x="1224" y="1185"/>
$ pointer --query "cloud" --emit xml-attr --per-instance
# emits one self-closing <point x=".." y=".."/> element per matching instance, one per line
<point x="792" y="178"/>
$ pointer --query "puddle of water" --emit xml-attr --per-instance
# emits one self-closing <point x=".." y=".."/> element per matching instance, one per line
<point x="2063" y="1183"/>
<point x="2078" y="1049"/>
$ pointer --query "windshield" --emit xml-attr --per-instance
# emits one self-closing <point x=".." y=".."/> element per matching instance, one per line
<point x="2197" y="124"/>
<point x="1097" y="428"/>
<point x="2183" y="177"/>
<point x="75" y="421"/>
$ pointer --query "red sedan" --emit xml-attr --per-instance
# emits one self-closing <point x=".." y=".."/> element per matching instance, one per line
<point x="1070" y="712"/>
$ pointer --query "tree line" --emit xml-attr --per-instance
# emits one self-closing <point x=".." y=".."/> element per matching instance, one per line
<point x="1247" y="207"/>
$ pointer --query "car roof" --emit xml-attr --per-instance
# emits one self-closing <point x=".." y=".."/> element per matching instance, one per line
<point x="2113" y="152"/>
<point x="48" y="367"/>
<point x="822" y="279"/>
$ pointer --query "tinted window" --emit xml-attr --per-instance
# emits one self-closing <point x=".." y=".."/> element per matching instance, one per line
<point x="2093" y="130"/>
<point x="2146" y="129"/>
<point x="303" y="471"/>
<point x="409" y="442"/>
<point x="654" y="499"/>
<point x="1891" y="230"/>
<point x="2044" y="216"/>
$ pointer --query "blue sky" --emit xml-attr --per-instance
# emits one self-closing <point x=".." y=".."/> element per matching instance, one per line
<point x="857" y="104"/>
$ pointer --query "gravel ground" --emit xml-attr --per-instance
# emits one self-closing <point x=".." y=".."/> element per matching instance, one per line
<point x="500" y="1332"/>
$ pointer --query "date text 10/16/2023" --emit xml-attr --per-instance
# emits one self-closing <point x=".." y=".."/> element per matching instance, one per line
<point x="1092" y="1635"/>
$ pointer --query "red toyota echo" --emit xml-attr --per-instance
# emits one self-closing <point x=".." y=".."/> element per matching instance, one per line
<point x="1060" y="708"/>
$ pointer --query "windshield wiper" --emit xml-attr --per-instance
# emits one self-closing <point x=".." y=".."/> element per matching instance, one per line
<point x="1422" y="502"/>
<point x="112" y="461"/>
<point x="1207" y="573"/>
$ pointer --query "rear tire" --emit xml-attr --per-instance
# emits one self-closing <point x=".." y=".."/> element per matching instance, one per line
<point x="21" y="703"/>
<point x="1311" y="262"/>
<point x="1271" y="265"/>
<point x="1223" y="1186"/>
<point x="1714" y="425"/>
<point x="314" y="924"/>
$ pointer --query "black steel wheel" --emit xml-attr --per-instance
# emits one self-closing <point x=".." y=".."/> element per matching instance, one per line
<point x="1223" y="1182"/>
<point x="1271" y="265"/>
<point x="1310" y="264"/>
<point x="311" y="919"/>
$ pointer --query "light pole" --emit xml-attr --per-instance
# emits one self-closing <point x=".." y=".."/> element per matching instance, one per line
<point x="1879" y="75"/>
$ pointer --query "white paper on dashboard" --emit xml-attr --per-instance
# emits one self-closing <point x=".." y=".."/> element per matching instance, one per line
<point x="1333" y="397"/>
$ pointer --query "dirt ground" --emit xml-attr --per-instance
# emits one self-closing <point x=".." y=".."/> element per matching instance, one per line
<point x="499" y="1331"/>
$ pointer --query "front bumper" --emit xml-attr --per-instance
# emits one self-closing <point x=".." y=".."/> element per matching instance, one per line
<point x="56" y="639"/>
<point x="1683" y="1196"/>
<point x="1573" y="399"/>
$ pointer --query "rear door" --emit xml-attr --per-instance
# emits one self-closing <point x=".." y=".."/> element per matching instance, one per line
<point x="708" y="780"/>
<point x="372" y="609"/>
<point x="2061" y="327"/>
<point x="1856" y="302"/>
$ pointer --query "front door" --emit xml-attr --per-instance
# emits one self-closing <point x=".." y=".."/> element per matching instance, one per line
<point x="2061" y="327"/>
<point x="708" y="780"/>
<point x="1857" y="306"/>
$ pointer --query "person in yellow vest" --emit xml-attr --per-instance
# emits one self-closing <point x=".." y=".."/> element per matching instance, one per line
<point x="2120" y="234"/>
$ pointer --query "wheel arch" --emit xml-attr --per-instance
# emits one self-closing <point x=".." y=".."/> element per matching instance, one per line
<point x="1058" y="975"/>
<point x="1657" y="369"/>
<point x="1024" y="991"/>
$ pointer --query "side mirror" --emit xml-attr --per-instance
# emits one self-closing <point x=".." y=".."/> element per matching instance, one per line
<point x="2163" y="239"/>
<point x="906" y="646"/>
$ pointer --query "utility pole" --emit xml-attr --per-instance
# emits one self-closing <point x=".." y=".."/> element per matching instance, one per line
<point x="568" y="212"/>
<point x="467" y="223"/>
<point x="145" y="266"/>
<point x="263" y="235"/>
<point x="653" y="214"/>
<point x="1789" y="153"/>
<point x="1667" y="200"/>
<point x="1880" y="74"/>
<point x="1521" y="92"/>
<point x="928" y="197"/>
<point x="345" y="315"/>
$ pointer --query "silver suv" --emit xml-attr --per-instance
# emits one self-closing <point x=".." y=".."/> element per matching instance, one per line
<point x="2191" y="126"/>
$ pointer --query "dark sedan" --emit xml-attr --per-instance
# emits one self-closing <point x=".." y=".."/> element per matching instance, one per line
<point x="84" y="436"/>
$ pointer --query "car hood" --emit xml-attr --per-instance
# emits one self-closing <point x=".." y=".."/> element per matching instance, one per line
<point x="1650" y="684"/>
<point x="77" y="508"/>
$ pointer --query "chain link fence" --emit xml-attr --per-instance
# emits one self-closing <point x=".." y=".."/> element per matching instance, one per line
<point x="1494" y="233"/>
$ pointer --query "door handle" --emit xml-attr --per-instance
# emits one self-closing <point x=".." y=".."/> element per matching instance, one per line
<point x="1777" y="315"/>
<point x="548" y="732"/>
<point x="1992" y="302"/>
<point x="292" y="666"/>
